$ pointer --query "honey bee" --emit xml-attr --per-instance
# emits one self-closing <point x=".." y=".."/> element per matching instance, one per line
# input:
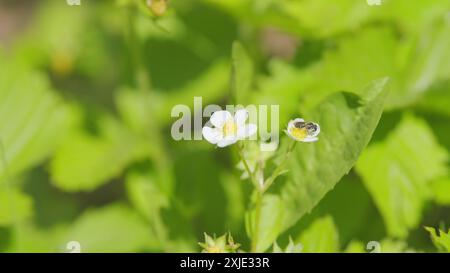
<point x="304" y="131"/>
<point x="310" y="127"/>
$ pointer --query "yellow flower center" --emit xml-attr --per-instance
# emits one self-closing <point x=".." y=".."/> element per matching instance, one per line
<point x="230" y="128"/>
<point x="214" y="249"/>
<point x="299" y="133"/>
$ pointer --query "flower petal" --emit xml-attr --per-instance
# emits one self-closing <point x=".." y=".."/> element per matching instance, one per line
<point x="246" y="131"/>
<point x="226" y="141"/>
<point x="310" y="139"/>
<point x="219" y="118"/>
<point x="240" y="117"/>
<point x="212" y="135"/>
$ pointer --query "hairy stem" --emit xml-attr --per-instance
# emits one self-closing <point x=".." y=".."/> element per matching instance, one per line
<point x="280" y="167"/>
<point x="246" y="166"/>
<point x="260" y="190"/>
<point x="259" y="197"/>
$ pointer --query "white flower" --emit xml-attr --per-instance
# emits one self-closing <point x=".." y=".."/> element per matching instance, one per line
<point x="300" y="130"/>
<point x="227" y="129"/>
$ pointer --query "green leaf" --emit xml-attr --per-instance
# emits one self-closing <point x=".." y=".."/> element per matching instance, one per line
<point x="115" y="228"/>
<point x="441" y="190"/>
<point x="340" y="204"/>
<point x="338" y="69"/>
<point x="441" y="240"/>
<point x="398" y="170"/>
<point x="149" y="199"/>
<point x="241" y="74"/>
<point x="15" y="206"/>
<point x="436" y="99"/>
<point x="426" y="65"/>
<point x="145" y="194"/>
<point x="347" y="124"/>
<point x="320" y="237"/>
<point x="85" y="161"/>
<point x="432" y="64"/>
<point x="33" y="119"/>
<point x="28" y="238"/>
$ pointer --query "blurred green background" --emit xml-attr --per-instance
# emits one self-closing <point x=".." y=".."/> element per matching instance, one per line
<point x="85" y="99"/>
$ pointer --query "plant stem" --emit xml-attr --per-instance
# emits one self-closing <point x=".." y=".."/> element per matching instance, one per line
<point x="246" y="166"/>
<point x="259" y="197"/>
<point x="280" y="167"/>
<point x="258" y="208"/>
<point x="260" y="194"/>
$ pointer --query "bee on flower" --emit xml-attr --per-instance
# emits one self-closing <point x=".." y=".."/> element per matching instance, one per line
<point x="228" y="129"/>
<point x="299" y="130"/>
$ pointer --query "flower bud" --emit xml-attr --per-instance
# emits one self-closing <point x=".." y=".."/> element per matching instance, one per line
<point x="157" y="7"/>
